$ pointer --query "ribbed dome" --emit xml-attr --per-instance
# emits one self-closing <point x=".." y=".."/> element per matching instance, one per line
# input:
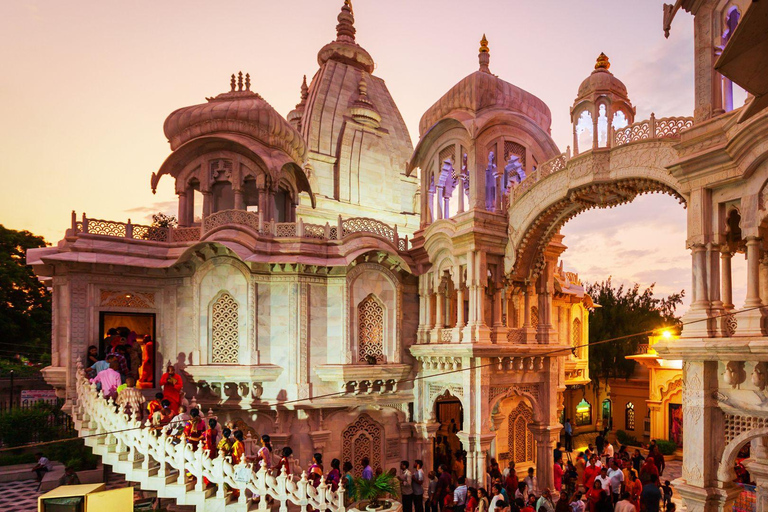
<point x="602" y="81"/>
<point x="239" y="111"/>
<point x="483" y="90"/>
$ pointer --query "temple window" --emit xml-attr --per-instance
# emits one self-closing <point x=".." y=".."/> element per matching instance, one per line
<point x="602" y="127"/>
<point x="732" y="94"/>
<point x="576" y="337"/>
<point x="584" y="132"/>
<point x="370" y="321"/>
<point x="225" y="339"/>
<point x="619" y="120"/>
<point x="519" y="438"/>
<point x="629" y="416"/>
<point x="583" y="413"/>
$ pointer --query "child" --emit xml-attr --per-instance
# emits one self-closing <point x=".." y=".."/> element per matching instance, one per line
<point x="155" y="405"/>
<point x="666" y="491"/>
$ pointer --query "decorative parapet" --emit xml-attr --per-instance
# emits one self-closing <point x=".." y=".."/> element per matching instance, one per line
<point x="151" y="458"/>
<point x="299" y="229"/>
<point x="664" y="128"/>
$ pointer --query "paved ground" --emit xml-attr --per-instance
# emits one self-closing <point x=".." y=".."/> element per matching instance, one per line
<point x="22" y="496"/>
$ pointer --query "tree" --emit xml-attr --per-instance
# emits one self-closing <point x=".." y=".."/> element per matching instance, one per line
<point x="624" y="312"/>
<point x="162" y="220"/>
<point x="25" y="303"/>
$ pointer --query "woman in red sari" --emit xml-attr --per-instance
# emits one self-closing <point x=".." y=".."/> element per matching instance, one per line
<point x="172" y="384"/>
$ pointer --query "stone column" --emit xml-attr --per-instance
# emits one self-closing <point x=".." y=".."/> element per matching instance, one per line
<point x="595" y="137"/>
<point x="528" y="331"/>
<point x="439" y="206"/>
<point x="239" y="202"/>
<point x="459" y="304"/>
<point x="750" y="322"/>
<point x="764" y="279"/>
<point x="575" y="138"/>
<point x="207" y="204"/>
<point x="461" y="193"/>
<point x="497" y="309"/>
<point x="545" y="437"/>
<point x="703" y="420"/>
<point x="697" y="318"/>
<point x="183" y="208"/>
<point x="725" y="271"/>
<point x="439" y="308"/>
<point x="758" y="470"/>
<point x="426" y="433"/>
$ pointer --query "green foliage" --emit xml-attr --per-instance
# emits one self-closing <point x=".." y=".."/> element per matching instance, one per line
<point x="70" y="453"/>
<point x="16" y="457"/>
<point x="161" y="220"/>
<point x="626" y="439"/>
<point x="23" y="426"/>
<point x="25" y="304"/>
<point x="21" y="370"/>
<point x="624" y="312"/>
<point x="666" y="447"/>
<point x="373" y="490"/>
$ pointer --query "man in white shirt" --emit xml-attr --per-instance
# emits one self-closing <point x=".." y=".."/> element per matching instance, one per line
<point x="530" y="481"/>
<point x="179" y="421"/>
<point x="460" y="495"/>
<point x="616" y="477"/>
<point x="608" y="451"/>
<point x="605" y="482"/>
<point x="509" y="469"/>
<point x="624" y="505"/>
<point x="497" y="497"/>
<point x="43" y="466"/>
<point x="406" y="487"/>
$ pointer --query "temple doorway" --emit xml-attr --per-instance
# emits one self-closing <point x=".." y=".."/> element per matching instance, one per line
<point x="138" y="330"/>
<point x="448" y="449"/>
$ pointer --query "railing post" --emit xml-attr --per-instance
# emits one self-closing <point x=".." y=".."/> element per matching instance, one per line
<point x="261" y="224"/>
<point x="85" y="223"/>
<point x="327" y="234"/>
<point x="129" y="229"/>
<point x="74" y="222"/>
<point x="300" y="228"/>
<point x="394" y="235"/>
<point x="169" y="235"/>
<point x="652" y="126"/>
<point x="340" y="232"/>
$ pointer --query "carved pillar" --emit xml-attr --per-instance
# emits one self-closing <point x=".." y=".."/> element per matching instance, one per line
<point x="183" y="208"/>
<point x="575" y="139"/>
<point x="459" y="301"/>
<point x="703" y="420"/>
<point x="758" y="470"/>
<point x="725" y="271"/>
<point x="439" y="208"/>
<point x="497" y="309"/>
<point x="207" y="203"/>
<point x="545" y="438"/>
<point x="697" y="318"/>
<point x="497" y="200"/>
<point x="439" y="307"/>
<point x="764" y="279"/>
<point x="595" y="136"/>
<point x="460" y="185"/>
<point x="426" y="434"/>
<point x="239" y="202"/>
<point x="750" y="322"/>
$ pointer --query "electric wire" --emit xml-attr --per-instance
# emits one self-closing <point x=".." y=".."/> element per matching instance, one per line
<point x="422" y="377"/>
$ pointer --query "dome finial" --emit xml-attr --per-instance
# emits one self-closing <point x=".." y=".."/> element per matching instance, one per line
<point x="485" y="55"/>
<point x="345" y="30"/>
<point x="304" y="90"/>
<point x="602" y="62"/>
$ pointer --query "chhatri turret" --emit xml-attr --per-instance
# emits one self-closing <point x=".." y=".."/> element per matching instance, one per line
<point x="357" y="142"/>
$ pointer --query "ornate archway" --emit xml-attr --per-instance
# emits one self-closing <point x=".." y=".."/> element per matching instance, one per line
<point x="363" y="438"/>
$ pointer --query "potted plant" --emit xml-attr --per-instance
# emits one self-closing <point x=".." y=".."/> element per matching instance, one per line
<point x="374" y="490"/>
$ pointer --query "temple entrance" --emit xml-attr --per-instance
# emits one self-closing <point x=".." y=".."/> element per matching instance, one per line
<point x="137" y="330"/>
<point x="448" y="449"/>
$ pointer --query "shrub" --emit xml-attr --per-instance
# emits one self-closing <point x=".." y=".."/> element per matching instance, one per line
<point x="375" y="489"/>
<point x="625" y="439"/>
<point x="73" y="453"/>
<point x="23" y="426"/>
<point x="666" y="447"/>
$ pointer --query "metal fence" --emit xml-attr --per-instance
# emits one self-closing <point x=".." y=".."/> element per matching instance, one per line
<point x="55" y="419"/>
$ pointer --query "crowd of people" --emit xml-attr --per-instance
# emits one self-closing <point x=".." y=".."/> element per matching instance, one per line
<point x="124" y="356"/>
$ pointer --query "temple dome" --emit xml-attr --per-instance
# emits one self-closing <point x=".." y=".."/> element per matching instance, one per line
<point x="483" y="90"/>
<point x="602" y="82"/>
<point x="239" y="111"/>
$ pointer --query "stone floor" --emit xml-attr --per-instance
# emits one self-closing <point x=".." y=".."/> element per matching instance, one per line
<point x="22" y="496"/>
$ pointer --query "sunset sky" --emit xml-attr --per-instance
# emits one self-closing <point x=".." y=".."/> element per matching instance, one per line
<point x="86" y="86"/>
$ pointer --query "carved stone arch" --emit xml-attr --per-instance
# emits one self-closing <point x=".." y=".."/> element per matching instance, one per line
<point x="672" y="387"/>
<point x="438" y="391"/>
<point x="529" y="395"/>
<point x="364" y="437"/>
<point x="251" y="354"/>
<point x="536" y="218"/>
<point x="725" y="472"/>
<point x="351" y="309"/>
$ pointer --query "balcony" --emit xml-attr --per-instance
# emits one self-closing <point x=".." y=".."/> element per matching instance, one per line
<point x="364" y="378"/>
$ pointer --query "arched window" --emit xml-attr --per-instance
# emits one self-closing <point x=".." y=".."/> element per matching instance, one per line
<point x="519" y="438"/>
<point x="584" y="131"/>
<point x="583" y="413"/>
<point x="225" y="339"/>
<point x="576" y="337"/>
<point x="629" y="416"/>
<point x="370" y="336"/>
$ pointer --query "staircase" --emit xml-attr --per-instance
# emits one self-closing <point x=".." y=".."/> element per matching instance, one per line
<point x="157" y="464"/>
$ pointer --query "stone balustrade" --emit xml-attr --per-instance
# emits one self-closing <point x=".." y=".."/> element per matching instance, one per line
<point x="152" y="459"/>
<point x="343" y="228"/>
<point x="663" y="128"/>
<point x="647" y="130"/>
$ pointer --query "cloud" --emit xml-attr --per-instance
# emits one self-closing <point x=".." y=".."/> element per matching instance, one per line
<point x="146" y="212"/>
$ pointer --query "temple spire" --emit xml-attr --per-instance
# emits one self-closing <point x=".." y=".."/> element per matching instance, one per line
<point x="345" y="30"/>
<point x="484" y="56"/>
